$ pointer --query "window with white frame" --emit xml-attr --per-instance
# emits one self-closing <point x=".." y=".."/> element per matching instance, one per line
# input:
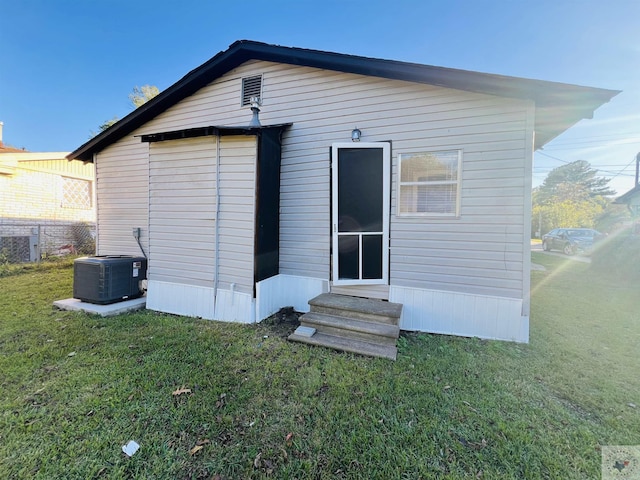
<point x="429" y="183"/>
<point x="76" y="193"/>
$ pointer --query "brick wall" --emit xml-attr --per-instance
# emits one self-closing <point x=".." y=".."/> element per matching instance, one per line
<point x="50" y="201"/>
<point x="42" y="195"/>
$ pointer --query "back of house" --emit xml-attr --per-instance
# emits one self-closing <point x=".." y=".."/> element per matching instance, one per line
<point x="270" y="174"/>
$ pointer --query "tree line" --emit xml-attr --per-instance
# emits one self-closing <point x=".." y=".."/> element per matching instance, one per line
<point x="573" y="195"/>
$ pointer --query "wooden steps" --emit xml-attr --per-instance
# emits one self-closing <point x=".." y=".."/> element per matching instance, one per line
<point x="351" y="324"/>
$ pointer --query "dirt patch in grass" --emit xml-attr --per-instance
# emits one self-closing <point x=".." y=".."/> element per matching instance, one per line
<point x="282" y="323"/>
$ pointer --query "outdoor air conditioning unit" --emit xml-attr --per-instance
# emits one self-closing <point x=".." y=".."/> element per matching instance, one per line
<point x="108" y="279"/>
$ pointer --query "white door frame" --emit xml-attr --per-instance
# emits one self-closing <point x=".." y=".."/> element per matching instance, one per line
<point x="386" y="199"/>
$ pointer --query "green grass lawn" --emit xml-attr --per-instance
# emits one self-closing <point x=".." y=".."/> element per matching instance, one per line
<point x="74" y="388"/>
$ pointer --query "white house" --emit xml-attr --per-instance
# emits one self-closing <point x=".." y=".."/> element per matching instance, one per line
<point x="430" y="208"/>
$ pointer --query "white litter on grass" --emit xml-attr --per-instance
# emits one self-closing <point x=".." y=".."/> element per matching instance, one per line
<point x="130" y="448"/>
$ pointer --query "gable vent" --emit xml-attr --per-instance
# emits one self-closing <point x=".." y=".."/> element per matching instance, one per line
<point x="251" y="87"/>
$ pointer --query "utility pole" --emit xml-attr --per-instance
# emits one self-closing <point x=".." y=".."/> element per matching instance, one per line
<point x="637" y="167"/>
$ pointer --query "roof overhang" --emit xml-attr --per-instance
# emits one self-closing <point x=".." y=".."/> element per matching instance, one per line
<point x="629" y="196"/>
<point x="558" y="105"/>
<point x="212" y="130"/>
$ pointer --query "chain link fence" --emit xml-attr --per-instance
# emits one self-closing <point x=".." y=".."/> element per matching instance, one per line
<point x="23" y="241"/>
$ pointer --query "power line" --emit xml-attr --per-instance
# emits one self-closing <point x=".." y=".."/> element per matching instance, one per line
<point x="554" y="158"/>
<point x="622" y="141"/>
<point x="596" y="165"/>
<point x="632" y="161"/>
<point x="608" y="135"/>
<point x="614" y="173"/>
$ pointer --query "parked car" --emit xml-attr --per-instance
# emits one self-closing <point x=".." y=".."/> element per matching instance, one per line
<point x="570" y="240"/>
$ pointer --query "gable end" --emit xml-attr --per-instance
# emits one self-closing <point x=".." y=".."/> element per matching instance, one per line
<point x="558" y="105"/>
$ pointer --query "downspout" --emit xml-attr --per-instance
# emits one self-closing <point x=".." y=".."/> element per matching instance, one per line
<point x="216" y="268"/>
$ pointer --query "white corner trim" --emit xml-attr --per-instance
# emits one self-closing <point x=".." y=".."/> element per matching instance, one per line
<point x="287" y="291"/>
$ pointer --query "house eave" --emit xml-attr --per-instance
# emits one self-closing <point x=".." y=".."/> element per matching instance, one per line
<point x="629" y="196"/>
<point x="567" y="104"/>
<point x="210" y="130"/>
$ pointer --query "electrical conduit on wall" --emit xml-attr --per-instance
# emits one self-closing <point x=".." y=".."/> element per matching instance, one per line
<point x="216" y="268"/>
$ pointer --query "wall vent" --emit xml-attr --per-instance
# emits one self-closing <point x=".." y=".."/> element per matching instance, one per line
<point x="251" y="87"/>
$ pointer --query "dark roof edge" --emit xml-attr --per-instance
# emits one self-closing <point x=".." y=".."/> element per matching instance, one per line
<point x="626" y="197"/>
<point x="542" y="92"/>
<point x="467" y="80"/>
<point x="210" y="130"/>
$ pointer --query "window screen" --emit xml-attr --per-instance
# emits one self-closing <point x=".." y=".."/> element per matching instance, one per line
<point x="429" y="183"/>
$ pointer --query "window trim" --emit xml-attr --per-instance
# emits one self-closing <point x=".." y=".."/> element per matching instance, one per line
<point x="427" y="183"/>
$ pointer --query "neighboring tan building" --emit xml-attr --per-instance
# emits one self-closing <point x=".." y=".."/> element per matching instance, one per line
<point x="46" y="203"/>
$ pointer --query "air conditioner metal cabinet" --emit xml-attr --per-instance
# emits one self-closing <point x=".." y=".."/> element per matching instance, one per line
<point x="108" y="279"/>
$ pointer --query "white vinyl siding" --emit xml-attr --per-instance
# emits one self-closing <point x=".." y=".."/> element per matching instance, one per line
<point x="183" y="209"/>
<point x="480" y="252"/>
<point x="237" y="212"/>
<point x="122" y="197"/>
<point x="182" y="206"/>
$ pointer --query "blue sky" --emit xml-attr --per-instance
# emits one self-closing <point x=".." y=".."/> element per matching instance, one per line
<point x="66" y="66"/>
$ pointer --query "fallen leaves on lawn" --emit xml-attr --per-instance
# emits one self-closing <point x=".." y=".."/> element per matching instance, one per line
<point x="267" y="464"/>
<point x="71" y="354"/>
<point x="322" y="390"/>
<point x="470" y="407"/>
<point x="473" y="445"/>
<point x="181" y="391"/>
<point x="199" y="446"/>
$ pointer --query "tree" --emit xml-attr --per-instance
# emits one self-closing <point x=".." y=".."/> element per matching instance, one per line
<point x="577" y="177"/>
<point x="107" y="124"/>
<point x="138" y="97"/>
<point x="572" y="195"/>
<point x="141" y="95"/>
